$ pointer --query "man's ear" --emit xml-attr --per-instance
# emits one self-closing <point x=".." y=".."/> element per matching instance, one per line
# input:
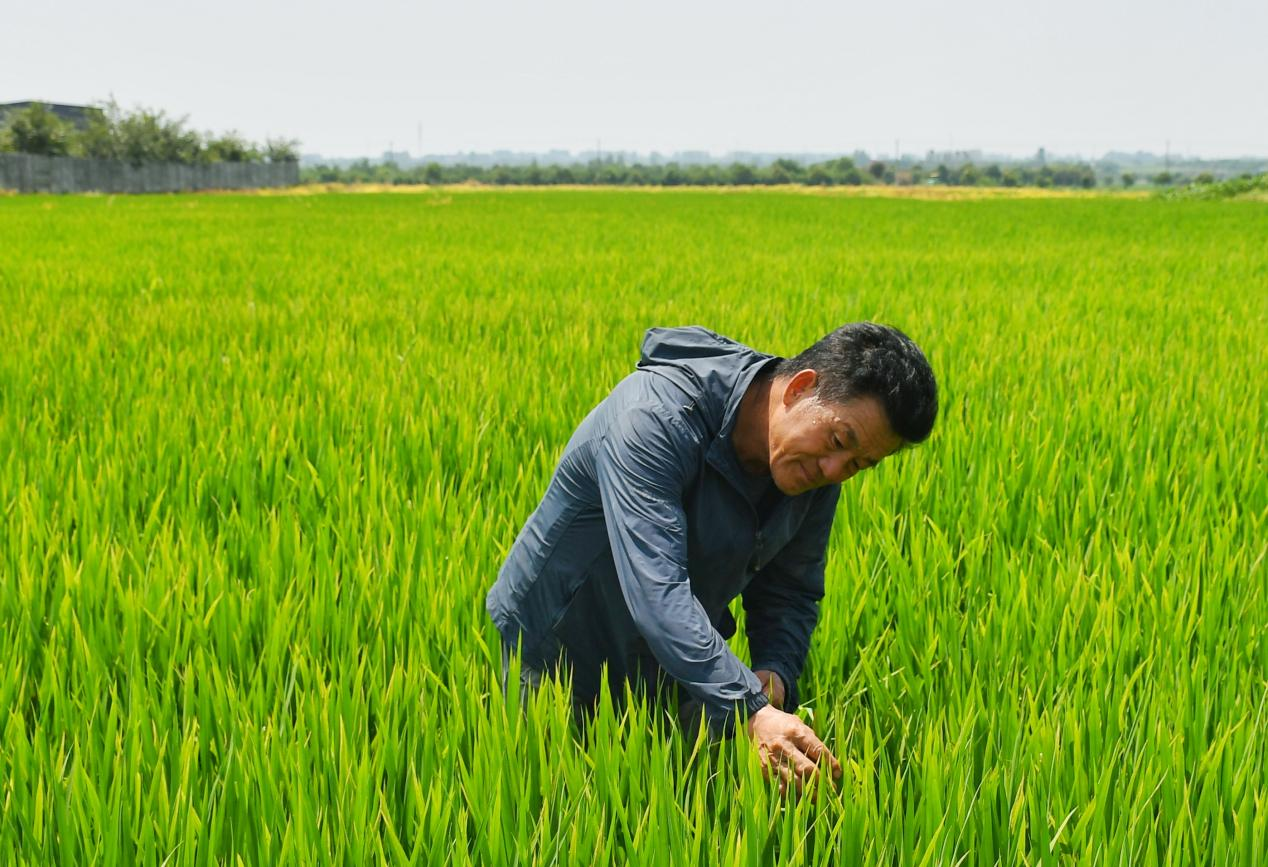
<point x="801" y="384"/>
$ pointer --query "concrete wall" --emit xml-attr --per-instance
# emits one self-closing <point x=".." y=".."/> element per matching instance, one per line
<point x="28" y="173"/>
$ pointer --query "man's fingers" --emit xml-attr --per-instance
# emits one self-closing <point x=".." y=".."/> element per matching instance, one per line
<point x="818" y="753"/>
<point x="803" y="766"/>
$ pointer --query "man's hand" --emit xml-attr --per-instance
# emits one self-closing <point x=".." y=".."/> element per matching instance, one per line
<point x="789" y="746"/>
<point x="772" y="685"/>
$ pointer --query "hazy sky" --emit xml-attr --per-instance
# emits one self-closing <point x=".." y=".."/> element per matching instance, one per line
<point x="353" y="78"/>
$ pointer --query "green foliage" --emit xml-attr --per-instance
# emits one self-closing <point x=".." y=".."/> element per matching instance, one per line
<point x="139" y="136"/>
<point x="1247" y="186"/>
<point x="835" y="172"/>
<point x="261" y="458"/>
<point x="35" y="130"/>
<point x="1129" y="179"/>
<point x="151" y="136"/>
<point x="230" y="148"/>
<point x="100" y="138"/>
<point x="281" y="150"/>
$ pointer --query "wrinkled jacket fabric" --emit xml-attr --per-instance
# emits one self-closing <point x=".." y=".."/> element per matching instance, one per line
<point x="646" y="533"/>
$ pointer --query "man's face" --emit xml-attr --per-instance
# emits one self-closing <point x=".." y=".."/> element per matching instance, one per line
<point x="813" y="443"/>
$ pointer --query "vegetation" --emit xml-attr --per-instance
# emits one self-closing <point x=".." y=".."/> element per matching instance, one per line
<point x="1245" y="187"/>
<point x="140" y="136"/>
<point x="263" y="456"/>
<point x="836" y="172"/>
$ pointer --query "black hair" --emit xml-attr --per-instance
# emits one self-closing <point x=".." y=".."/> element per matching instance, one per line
<point x="867" y="359"/>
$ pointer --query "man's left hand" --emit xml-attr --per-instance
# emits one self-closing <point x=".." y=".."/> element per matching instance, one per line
<point x="772" y="685"/>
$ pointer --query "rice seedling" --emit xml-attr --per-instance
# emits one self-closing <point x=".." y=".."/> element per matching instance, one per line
<point x="261" y="457"/>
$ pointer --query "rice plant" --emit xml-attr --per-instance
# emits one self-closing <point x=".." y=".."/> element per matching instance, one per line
<point x="261" y="458"/>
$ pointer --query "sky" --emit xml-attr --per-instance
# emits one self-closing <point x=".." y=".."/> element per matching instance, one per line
<point x="350" y="79"/>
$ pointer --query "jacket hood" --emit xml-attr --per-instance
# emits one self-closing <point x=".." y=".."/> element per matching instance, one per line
<point x="713" y="370"/>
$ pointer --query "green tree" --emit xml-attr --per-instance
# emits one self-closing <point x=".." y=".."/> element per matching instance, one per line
<point x="151" y="136"/>
<point x="282" y="150"/>
<point x="1128" y="179"/>
<point x="785" y="171"/>
<point x="818" y="176"/>
<point x="229" y="148"/>
<point x="742" y="174"/>
<point x="99" y="137"/>
<point x="36" y="130"/>
<point x="843" y="171"/>
<point x="876" y="169"/>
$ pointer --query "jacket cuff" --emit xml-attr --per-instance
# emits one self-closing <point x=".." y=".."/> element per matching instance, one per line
<point x="736" y="715"/>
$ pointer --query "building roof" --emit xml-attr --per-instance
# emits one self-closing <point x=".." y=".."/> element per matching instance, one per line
<point x="76" y="114"/>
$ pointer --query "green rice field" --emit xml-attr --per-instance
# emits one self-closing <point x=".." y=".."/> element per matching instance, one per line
<point x="261" y="457"/>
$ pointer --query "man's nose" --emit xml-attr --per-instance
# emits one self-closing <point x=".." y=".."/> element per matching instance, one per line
<point x="836" y="468"/>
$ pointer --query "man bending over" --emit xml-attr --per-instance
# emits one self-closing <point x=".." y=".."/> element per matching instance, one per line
<point x="710" y="472"/>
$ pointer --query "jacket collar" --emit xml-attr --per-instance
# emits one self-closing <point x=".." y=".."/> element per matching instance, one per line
<point x="721" y="453"/>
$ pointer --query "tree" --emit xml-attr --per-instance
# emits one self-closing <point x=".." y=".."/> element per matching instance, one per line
<point x="876" y="169"/>
<point x="1128" y="179"/>
<point x="818" y="176"/>
<point x="1163" y="179"/>
<point x="843" y="171"/>
<point x="99" y="139"/>
<point x="968" y="175"/>
<point x="151" y="136"/>
<point x="785" y="171"/>
<point x="36" y="130"/>
<point x="780" y="172"/>
<point x="230" y="148"/>
<point x="282" y="150"/>
<point x="1204" y="178"/>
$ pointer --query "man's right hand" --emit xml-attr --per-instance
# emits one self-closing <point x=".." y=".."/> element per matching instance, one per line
<point x="789" y="746"/>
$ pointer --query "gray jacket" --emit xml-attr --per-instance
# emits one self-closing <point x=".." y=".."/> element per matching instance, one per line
<point x="650" y="528"/>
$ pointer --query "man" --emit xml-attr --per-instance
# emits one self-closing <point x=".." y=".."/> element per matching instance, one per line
<point x="711" y="472"/>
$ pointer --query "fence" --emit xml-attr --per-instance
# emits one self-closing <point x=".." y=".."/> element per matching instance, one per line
<point x="29" y="173"/>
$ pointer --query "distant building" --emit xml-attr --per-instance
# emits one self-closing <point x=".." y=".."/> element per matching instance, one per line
<point x="74" y="114"/>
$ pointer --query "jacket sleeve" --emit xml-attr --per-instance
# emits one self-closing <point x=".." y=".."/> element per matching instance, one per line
<point x="781" y="603"/>
<point x="642" y="466"/>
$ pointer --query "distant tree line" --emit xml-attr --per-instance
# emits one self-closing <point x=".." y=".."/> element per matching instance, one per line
<point x="138" y="137"/>
<point x="1245" y="186"/>
<point x="842" y="171"/>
